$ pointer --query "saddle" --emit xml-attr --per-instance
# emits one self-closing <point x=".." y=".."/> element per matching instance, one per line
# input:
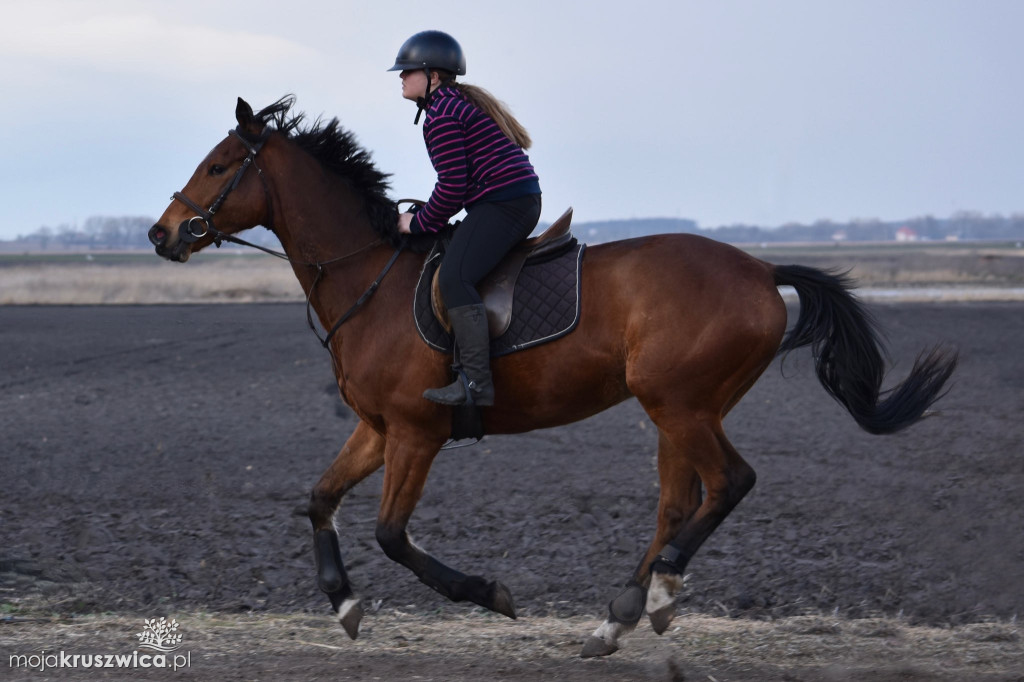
<point x="532" y="297"/>
<point x="498" y="287"/>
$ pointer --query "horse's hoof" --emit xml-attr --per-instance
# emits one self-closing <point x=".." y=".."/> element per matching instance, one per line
<point x="595" y="646"/>
<point x="501" y="600"/>
<point x="350" y="614"/>
<point x="662" y="618"/>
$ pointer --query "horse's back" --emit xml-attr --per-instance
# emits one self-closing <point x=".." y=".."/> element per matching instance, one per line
<point x="683" y="268"/>
<point x="689" y="309"/>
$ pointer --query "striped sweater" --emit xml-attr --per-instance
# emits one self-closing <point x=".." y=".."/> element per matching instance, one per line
<point x="471" y="155"/>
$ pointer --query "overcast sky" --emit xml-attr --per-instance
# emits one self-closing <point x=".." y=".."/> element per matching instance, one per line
<point x="726" y="111"/>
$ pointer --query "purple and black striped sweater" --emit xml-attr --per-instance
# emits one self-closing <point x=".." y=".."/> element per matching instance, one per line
<point x="471" y="155"/>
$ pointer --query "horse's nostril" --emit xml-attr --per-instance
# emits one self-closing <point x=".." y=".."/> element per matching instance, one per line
<point x="157" y="235"/>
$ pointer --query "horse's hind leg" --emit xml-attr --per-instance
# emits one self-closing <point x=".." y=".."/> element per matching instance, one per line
<point x="362" y="454"/>
<point x="727" y="478"/>
<point x="681" y="496"/>
<point x="407" y="462"/>
<point x="687" y="445"/>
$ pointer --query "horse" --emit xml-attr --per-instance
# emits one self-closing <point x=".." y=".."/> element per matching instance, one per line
<point x="682" y="323"/>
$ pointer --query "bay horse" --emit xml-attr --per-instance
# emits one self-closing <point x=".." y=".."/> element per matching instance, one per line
<point x="680" y="322"/>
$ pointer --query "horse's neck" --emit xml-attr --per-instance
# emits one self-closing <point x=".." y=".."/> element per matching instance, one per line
<point x="319" y="220"/>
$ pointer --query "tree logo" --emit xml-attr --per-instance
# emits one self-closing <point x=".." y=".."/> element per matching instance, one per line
<point x="160" y="635"/>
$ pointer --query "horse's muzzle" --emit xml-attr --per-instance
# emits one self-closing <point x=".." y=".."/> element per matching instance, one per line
<point x="158" y="236"/>
<point x="178" y="251"/>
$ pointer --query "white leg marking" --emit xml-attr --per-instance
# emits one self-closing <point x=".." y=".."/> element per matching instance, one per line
<point x="610" y="632"/>
<point x="663" y="590"/>
<point x="346" y="607"/>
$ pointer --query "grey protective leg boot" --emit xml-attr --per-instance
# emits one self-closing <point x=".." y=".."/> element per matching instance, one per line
<point x="473" y="342"/>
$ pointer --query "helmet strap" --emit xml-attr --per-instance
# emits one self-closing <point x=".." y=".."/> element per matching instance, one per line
<point x="423" y="102"/>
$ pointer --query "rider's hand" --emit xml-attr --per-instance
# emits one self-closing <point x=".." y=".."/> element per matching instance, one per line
<point x="404" y="223"/>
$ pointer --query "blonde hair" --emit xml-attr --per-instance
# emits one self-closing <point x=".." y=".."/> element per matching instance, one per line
<point x="494" y="108"/>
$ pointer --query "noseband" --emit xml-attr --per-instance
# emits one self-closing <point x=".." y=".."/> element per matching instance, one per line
<point x="200" y="225"/>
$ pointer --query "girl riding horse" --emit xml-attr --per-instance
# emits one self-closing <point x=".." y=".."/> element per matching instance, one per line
<point x="478" y="150"/>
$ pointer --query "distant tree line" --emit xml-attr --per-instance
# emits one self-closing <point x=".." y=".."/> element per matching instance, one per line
<point x="966" y="226"/>
<point x="130" y="232"/>
<point x="101" y="233"/>
<point x="97" y="232"/>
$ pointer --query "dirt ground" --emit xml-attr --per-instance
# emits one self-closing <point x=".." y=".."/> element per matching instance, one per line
<point x="157" y="461"/>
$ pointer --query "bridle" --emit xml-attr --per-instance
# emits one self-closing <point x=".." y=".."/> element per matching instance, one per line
<point x="201" y="225"/>
<point x="187" y="231"/>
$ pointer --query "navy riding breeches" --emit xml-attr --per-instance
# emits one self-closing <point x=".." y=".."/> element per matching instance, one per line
<point x="489" y="231"/>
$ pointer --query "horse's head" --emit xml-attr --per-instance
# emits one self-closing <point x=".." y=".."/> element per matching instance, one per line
<point x="227" y="187"/>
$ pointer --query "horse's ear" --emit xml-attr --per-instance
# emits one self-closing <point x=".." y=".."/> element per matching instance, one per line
<point x="243" y="114"/>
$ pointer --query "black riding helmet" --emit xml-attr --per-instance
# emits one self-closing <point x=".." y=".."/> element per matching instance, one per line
<point x="430" y="50"/>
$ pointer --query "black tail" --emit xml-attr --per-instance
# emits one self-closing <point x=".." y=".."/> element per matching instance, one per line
<point x="848" y="353"/>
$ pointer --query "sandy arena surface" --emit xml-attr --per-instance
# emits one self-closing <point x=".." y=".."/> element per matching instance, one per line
<point x="157" y="461"/>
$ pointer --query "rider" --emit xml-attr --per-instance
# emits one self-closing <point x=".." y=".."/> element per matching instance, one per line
<point x="478" y="150"/>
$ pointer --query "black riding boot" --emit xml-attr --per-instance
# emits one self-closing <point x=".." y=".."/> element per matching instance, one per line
<point x="473" y="345"/>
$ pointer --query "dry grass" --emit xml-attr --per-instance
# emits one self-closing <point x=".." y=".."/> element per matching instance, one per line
<point x="209" y="279"/>
<point x="811" y="647"/>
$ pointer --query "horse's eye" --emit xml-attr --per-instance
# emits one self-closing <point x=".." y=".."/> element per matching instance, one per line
<point x="217" y="169"/>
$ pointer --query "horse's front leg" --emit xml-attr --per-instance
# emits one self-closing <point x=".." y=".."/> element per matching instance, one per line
<point x="407" y="462"/>
<point x="362" y="454"/>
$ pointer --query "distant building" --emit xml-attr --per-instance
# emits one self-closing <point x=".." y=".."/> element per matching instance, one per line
<point x="905" y="234"/>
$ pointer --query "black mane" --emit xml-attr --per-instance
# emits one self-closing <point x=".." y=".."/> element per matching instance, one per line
<point x="338" y="151"/>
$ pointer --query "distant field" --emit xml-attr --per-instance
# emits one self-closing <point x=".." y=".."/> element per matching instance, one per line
<point x="143" y="278"/>
<point x="940" y="271"/>
<point x="910" y="263"/>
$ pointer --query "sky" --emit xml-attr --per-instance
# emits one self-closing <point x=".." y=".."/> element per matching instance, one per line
<point x="759" y="112"/>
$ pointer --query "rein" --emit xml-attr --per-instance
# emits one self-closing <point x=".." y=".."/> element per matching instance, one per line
<point x="189" y="233"/>
<point x="326" y="339"/>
